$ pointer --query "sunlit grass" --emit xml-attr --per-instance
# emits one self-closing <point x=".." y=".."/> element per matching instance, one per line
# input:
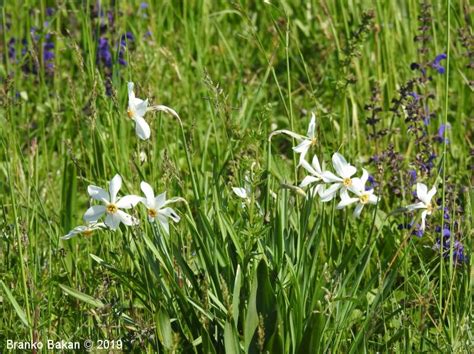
<point x="274" y="269"/>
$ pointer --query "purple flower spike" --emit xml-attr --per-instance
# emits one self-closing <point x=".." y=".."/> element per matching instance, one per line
<point x="436" y="63"/>
<point x="441" y="132"/>
<point x="415" y="96"/>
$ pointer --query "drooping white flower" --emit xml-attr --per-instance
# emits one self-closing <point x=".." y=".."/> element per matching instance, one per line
<point x="156" y="206"/>
<point x="136" y="110"/>
<point x="246" y="191"/>
<point x="85" y="230"/>
<point x="362" y="198"/>
<point x="305" y="142"/>
<point x="341" y="181"/>
<point x="425" y="196"/>
<point x="241" y="192"/>
<point x="112" y="205"/>
<point x="315" y="175"/>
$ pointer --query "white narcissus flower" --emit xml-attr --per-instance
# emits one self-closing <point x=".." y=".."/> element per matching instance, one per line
<point x="362" y="198"/>
<point x="156" y="206"/>
<point x="85" y="230"/>
<point x="112" y="205"/>
<point x="305" y="142"/>
<point x="136" y="110"/>
<point x="315" y="175"/>
<point x="425" y="196"/>
<point x="342" y="181"/>
<point x="241" y="192"/>
<point x="246" y="191"/>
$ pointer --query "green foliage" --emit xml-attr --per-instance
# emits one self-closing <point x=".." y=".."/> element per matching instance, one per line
<point x="278" y="272"/>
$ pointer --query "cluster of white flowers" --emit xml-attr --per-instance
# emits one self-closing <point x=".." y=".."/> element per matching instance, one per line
<point x="112" y="205"/>
<point x="157" y="208"/>
<point x="326" y="184"/>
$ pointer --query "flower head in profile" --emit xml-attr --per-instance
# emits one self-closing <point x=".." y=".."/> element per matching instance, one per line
<point x="342" y="181"/>
<point x="305" y="142"/>
<point x="315" y="175"/>
<point x="157" y="208"/>
<point x="136" y="110"/>
<point x="362" y="196"/>
<point x="111" y="205"/>
<point x="85" y="230"/>
<point x="425" y="203"/>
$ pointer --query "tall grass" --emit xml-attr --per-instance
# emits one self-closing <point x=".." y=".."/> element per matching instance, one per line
<point x="279" y="272"/>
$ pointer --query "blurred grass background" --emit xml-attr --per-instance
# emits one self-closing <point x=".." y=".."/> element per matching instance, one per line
<point x="302" y="277"/>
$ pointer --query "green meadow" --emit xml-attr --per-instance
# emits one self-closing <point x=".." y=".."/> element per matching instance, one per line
<point x="257" y="246"/>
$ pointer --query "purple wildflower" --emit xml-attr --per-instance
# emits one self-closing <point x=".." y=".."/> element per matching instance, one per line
<point x="49" y="11"/>
<point x="436" y="63"/>
<point x="144" y="5"/>
<point x="415" y="96"/>
<point x="458" y="249"/>
<point x="48" y="54"/>
<point x="412" y="174"/>
<point x="103" y="55"/>
<point x="441" y="133"/>
<point x="372" y="183"/>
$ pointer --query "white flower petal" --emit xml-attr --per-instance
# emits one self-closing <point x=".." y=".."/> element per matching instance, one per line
<point x="114" y="186"/>
<point x="140" y="108"/>
<point x="339" y="162"/>
<point x="113" y="221"/>
<point x="98" y="193"/>
<point x="423" y="219"/>
<point x="160" y="200"/>
<point x="346" y="201"/>
<point x="330" y="192"/>
<point x="164" y="222"/>
<point x="241" y="192"/>
<point x="142" y="129"/>
<point x="308" y="180"/>
<point x="373" y="199"/>
<point x="308" y="167"/>
<point x="74" y="232"/>
<point x="329" y="177"/>
<point x="130" y="90"/>
<point x="128" y="201"/>
<point x="311" y="126"/>
<point x="421" y="192"/>
<point x="94" y="213"/>
<point x="170" y="213"/>
<point x="365" y="176"/>
<point x="430" y="194"/>
<point x="358" y="210"/>
<point x="357" y="186"/>
<point x="127" y="219"/>
<point x="149" y="194"/>
<point x="419" y="205"/>
<point x="303" y="147"/>
<point x="349" y="171"/>
<point x="316" y="165"/>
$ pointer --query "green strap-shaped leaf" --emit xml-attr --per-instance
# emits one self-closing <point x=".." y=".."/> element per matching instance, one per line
<point x="16" y="306"/>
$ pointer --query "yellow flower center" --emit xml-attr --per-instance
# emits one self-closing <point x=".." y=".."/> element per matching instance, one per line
<point x="364" y="198"/>
<point x="111" y="208"/>
<point x="430" y="208"/>
<point x="87" y="233"/>
<point x="130" y="113"/>
<point x="314" y="141"/>
<point x="152" y="213"/>
<point x="347" y="182"/>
